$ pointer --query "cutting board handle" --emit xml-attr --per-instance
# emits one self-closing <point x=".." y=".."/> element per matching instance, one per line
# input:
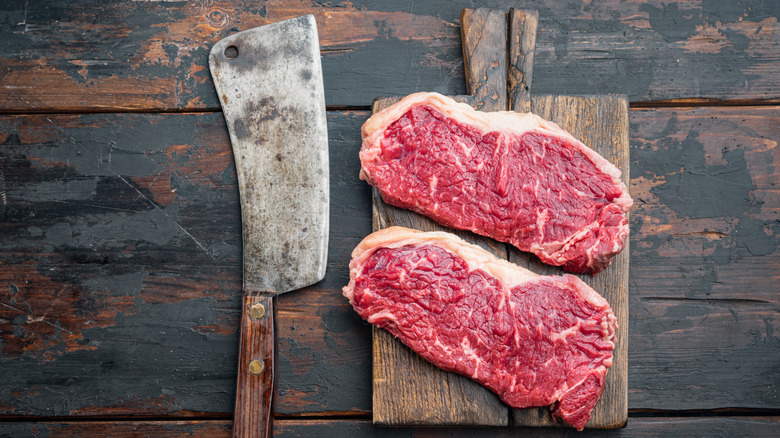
<point x="522" y="46"/>
<point x="498" y="55"/>
<point x="484" y="37"/>
<point x="407" y="389"/>
<point x="255" y="386"/>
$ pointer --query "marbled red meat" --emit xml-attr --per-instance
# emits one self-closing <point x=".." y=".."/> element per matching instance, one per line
<point x="533" y="340"/>
<point x="513" y="177"/>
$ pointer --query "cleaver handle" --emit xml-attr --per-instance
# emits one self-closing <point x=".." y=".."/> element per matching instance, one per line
<point x="255" y="386"/>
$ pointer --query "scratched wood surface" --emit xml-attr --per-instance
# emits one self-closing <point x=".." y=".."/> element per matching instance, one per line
<point x="120" y="233"/>
<point x="408" y="390"/>
<point x="127" y="54"/>
<point x="121" y="260"/>
<point x="601" y="122"/>
<point x="111" y="309"/>
<point x="291" y="428"/>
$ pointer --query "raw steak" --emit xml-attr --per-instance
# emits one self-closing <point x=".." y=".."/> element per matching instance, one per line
<point x="533" y="340"/>
<point x="513" y="177"/>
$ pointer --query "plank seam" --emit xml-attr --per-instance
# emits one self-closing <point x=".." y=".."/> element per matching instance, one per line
<point x="648" y="105"/>
<point x="632" y="413"/>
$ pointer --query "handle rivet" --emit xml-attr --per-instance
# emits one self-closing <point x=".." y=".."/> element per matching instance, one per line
<point x="257" y="311"/>
<point x="256" y="366"/>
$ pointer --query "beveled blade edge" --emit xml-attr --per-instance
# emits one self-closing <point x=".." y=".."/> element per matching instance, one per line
<point x="273" y="101"/>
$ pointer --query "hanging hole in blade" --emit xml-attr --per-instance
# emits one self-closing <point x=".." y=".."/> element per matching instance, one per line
<point x="231" y="52"/>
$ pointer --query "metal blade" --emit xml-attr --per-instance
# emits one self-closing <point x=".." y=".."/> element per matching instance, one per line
<point x="269" y="82"/>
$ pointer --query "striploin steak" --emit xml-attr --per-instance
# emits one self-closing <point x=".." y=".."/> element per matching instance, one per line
<point x="513" y="177"/>
<point x="533" y="340"/>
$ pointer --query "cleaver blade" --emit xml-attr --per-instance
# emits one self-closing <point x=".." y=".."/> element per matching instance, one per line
<point x="269" y="83"/>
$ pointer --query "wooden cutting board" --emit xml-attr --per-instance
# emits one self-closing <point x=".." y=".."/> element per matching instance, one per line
<point x="498" y="55"/>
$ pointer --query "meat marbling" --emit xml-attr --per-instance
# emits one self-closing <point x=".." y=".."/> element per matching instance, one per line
<point x="533" y="340"/>
<point x="513" y="177"/>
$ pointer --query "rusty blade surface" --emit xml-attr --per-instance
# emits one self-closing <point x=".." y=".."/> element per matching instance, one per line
<point x="269" y="82"/>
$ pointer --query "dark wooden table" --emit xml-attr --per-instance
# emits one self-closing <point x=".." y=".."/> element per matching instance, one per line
<point x="120" y="239"/>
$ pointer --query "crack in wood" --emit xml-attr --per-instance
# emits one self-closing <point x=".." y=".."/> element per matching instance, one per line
<point x="711" y="301"/>
<point x="31" y="319"/>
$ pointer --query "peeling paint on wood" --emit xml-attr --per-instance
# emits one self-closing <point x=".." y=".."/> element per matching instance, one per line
<point x="637" y="427"/>
<point x="122" y="286"/>
<point x="146" y="55"/>
<point x="143" y="323"/>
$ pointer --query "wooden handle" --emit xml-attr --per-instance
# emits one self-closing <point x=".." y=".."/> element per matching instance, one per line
<point x="522" y="45"/>
<point x="498" y="55"/>
<point x="483" y="35"/>
<point x="256" y="371"/>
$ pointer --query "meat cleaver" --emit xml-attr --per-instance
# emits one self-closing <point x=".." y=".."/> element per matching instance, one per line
<point x="269" y="82"/>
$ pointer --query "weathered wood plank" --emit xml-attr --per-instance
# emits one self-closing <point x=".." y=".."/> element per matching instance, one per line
<point x="129" y="54"/>
<point x="521" y="49"/>
<point x="600" y="122"/>
<point x="707" y="191"/>
<point x="705" y="256"/>
<point x="408" y="390"/>
<point x="714" y="427"/>
<point x="484" y="35"/>
<point x="120" y="256"/>
<point x="119" y="286"/>
<point x="90" y="429"/>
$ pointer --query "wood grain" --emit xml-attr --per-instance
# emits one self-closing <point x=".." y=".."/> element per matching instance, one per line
<point x="148" y="55"/>
<point x="407" y="389"/>
<point x="726" y="427"/>
<point x="256" y="377"/>
<point x="705" y="246"/>
<point x="108" y="309"/>
<point x="410" y="390"/>
<point x="600" y="122"/>
<point x="484" y="38"/>
<point x="120" y="259"/>
<point x="522" y="27"/>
